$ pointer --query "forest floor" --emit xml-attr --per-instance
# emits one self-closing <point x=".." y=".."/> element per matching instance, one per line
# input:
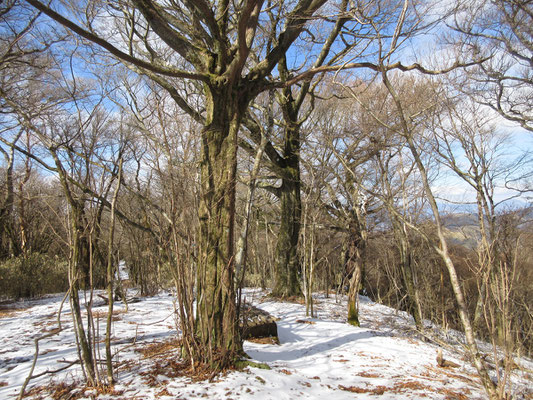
<point x="321" y="357"/>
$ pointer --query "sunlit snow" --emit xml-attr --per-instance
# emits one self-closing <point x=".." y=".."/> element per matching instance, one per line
<point x="318" y="358"/>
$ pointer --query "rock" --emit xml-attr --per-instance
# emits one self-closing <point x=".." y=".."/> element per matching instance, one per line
<point x="256" y="323"/>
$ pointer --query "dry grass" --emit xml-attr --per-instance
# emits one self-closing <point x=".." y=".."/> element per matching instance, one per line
<point x="56" y="391"/>
<point x="408" y="386"/>
<point x="454" y="395"/>
<point x="8" y="312"/>
<point x="103" y="315"/>
<point x="470" y="379"/>
<point x="171" y="368"/>
<point x="305" y="321"/>
<point x="163" y="392"/>
<point x="168" y="363"/>
<point x="369" y="375"/>
<point x="379" y="390"/>
<point x="264" y="340"/>
<point x="400" y="387"/>
<point x="159" y="348"/>
<point x="71" y="391"/>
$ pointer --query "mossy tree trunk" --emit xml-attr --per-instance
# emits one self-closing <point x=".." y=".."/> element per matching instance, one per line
<point x="219" y="51"/>
<point x="287" y="263"/>
<point x="216" y="318"/>
<point x="287" y="168"/>
<point x="286" y="283"/>
<point x="355" y="264"/>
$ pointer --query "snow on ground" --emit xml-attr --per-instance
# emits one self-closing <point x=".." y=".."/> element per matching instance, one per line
<point x="317" y="358"/>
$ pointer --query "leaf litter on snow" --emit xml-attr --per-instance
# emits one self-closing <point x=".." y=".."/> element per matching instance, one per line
<point x="314" y="358"/>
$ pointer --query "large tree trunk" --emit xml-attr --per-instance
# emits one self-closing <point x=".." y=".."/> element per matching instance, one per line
<point x="287" y="265"/>
<point x="216" y="318"/>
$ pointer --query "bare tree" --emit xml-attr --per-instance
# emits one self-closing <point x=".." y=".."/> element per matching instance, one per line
<point x="500" y="31"/>
<point x="212" y="43"/>
<point x="215" y="52"/>
<point x="77" y="146"/>
<point x="23" y="60"/>
<point x="470" y="145"/>
<point x="407" y="130"/>
<point x="406" y="127"/>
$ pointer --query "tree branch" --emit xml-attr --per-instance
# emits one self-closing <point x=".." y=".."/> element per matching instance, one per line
<point x="151" y="66"/>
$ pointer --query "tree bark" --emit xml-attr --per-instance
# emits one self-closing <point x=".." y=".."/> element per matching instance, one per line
<point x="287" y="264"/>
<point x="9" y="245"/>
<point x="110" y="281"/>
<point x="216" y="318"/>
<point x="355" y="266"/>
<point x="217" y="50"/>
<point x="79" y="263"/>
<point x="79" y="253"/>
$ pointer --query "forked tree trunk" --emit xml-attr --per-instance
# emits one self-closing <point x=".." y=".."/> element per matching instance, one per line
<point x="79" y="263"/>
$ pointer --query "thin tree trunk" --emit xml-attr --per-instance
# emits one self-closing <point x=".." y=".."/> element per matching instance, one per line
<point x="78" y="263"/>
<point x="454" y="279"/>
<point x="110" y="279"/>
<point x="399" y="227"/>
<point x="355" y="263"/>
<point x="408" y="274"/>
<point x="9" y="244"/>
<point x="78" y="259"/>
<point x="242" y="243"/>
<point x="488" y="384"/>
<point x="310" y="308"/>
<point x="485" y="260"/>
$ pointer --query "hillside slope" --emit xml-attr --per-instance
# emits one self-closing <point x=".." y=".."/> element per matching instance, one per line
<point x="317" y="358"/>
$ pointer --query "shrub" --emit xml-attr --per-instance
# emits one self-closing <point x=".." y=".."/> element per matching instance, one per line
<point x="32" y="275"/>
